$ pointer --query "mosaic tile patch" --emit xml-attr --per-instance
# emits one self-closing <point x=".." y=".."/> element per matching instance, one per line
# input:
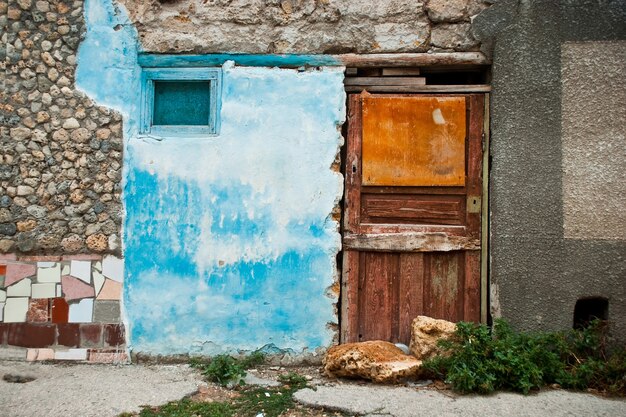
<point x="63" y="308"/>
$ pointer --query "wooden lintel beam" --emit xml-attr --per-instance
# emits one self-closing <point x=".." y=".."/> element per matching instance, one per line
<point x="410" y="242"/>
<point x="412" y="59"/>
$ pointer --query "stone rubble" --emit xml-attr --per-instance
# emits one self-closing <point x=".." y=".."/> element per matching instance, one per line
<point x="425" y="333"/>
<point x="305" y="26"/>
<point x="384" y="362"/>
<point x="377" y="361"/>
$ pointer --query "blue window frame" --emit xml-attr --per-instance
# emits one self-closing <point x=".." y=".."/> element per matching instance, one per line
<point x="180" y="101"/>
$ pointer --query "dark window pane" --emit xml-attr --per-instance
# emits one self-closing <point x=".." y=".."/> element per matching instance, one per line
<point x="181" y="103"/>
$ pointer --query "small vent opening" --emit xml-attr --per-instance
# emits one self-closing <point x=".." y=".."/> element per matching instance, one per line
<point x="588" y="309"/>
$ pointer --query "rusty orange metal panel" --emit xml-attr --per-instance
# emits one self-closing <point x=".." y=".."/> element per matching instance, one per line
<point x="414" y="141"/>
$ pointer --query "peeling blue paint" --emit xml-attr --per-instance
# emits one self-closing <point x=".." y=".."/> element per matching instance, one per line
<point x="228" y="240"/>
<point x="107" y="59"/>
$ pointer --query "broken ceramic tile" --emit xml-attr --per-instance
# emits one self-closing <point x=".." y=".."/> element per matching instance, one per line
<point x="19" y="289"/>
<point x="59" y="291"/>
<point x="71" y="355"/>
<point x="81" y="312"/>
<point x="45" y="355"/>
<point x="75" y="289"/>
<point x="46" y="264"/>
<point x="16" y="272"/>
<point x="49" y="274"/>
<point x="98" y="266"/>
<point x="111" y="290"/>
<point x="98" y="281"/>
<point x="113" y="268"/>
<point x="38" y="310"/>
<point x="59" y="310"/>
<point x="3" y="295"/>
<point x="45" y="290"/>
<point x="65" y="268"/>
<point x="81" y="270"/>
<point x="15" y="310"/>
<point x="2" y="311"/>
<point x="107" y="312"/>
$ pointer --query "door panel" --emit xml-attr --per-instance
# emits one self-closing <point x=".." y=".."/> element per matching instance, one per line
<point x="413" y="141"/>
<point x="411" y="213"/>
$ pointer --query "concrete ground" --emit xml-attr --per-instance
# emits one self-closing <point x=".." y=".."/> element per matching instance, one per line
<point x="75" y="390"/>
<point x="372" y="400"/>
<point x="80" y="390"/>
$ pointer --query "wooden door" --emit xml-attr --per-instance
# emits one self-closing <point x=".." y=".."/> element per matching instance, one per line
<point x="412" y="213"/>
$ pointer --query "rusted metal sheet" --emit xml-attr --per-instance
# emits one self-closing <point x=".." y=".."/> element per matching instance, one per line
<point x="413" y="141"/>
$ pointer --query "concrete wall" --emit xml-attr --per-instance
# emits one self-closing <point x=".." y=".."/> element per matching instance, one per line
<point x="558" y="225"/>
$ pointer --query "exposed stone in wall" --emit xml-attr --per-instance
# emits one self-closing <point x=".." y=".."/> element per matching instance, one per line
<point x="60" y="154"/>
<point x="305" y="26"/>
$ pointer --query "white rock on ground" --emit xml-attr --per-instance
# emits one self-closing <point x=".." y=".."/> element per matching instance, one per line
<point x="425" y="333"/>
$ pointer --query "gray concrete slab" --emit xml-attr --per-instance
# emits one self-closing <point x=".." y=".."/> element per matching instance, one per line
<point x="87" y="390"/>
<point x="372" y="400"/>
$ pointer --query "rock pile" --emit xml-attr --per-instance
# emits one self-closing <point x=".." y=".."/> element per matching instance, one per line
<point x="384" y="362"/>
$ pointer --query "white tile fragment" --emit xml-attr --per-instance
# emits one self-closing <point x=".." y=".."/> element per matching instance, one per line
<point x="15" y="310"/>
<point x="71" y="355"/>
<point x="46" y="264"/>
<point x="98" y="281"/>
<point x="45" y="290"/>
<point x="3" y="296"/>
<point x="81" y="270"/>
<point x="59" y="291"/>
<point x="65" y="270"/>
<point x="2" y="311"/>
<point x="98" y="266"/>
<point x="49" y="274"/>
<point x="19" y="289"/>
<point x="81" y="312"/>
<point x="113" y="268"/>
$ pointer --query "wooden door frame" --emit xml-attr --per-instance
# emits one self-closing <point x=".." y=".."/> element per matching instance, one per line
<point x="350" y="264"/>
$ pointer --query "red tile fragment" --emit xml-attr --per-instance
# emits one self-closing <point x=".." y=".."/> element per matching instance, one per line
<point x="59" y="310"/>
<point x="32" y="335"/>
<point x="3" y="269"/>
<point x="38" y="310"/>
<point x="16" y="272"/>
<point x="90" y="335"/>
<point x="114" y="335"/>
<point x="4" y="333"/>
<point x="68" y="334"/>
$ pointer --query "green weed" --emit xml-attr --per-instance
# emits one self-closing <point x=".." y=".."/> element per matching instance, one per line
<point x="479" y="359"/>
<point x="270" y="401"/>
<point x="225" y="369"/>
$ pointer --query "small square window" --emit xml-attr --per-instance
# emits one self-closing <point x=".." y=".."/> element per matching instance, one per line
<point x="180" y="101"/>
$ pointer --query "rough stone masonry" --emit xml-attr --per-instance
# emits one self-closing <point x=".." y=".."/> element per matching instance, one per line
<point x="60" y="154"/>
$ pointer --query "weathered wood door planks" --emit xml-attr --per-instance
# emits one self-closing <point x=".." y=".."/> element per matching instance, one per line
<point x="411" y="213"/>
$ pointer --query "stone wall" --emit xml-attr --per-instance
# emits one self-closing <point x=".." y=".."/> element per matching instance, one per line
<point x="60" y="154"/>
<point x="305" y="26"/>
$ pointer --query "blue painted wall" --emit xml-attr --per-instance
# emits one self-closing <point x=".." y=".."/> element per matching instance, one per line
<point x="228" y="240"/>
